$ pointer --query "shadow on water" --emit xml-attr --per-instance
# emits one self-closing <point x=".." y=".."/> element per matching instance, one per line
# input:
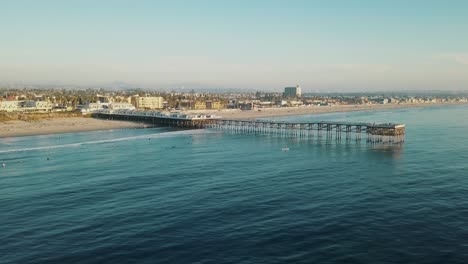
<point x="323" y="140"/>
<point x="394" y="151"/>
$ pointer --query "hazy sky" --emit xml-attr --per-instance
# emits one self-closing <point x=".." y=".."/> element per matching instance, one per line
<point x="325" y="45"/>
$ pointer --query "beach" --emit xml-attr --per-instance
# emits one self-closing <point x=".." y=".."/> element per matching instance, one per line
<point x="17" y="128"/>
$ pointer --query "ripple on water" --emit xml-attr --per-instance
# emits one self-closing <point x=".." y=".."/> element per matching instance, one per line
<point x="205" y="197"/>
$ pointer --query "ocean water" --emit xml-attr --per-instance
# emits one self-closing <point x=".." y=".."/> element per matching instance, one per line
<point x="168" y="196"/>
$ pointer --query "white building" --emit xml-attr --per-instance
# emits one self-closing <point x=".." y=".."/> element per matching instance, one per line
<point x="123" y="106"/>
<point x="91" y="107"/>
<point x="41" y="106"/>
<point x="9" y="106"/>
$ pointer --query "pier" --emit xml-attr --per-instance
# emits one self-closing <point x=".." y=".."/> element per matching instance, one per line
<point x="387" y="133"/>
<point x="374" y="133"/>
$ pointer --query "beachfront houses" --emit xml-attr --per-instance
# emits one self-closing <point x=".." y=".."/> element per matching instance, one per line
<point x="9" y="106"/>
<point x="91" y="107"/>
<point x="37" y="106"/>
<point x="25" y="106"/>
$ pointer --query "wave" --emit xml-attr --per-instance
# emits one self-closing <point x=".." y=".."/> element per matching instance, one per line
<point x="148" y="136"/>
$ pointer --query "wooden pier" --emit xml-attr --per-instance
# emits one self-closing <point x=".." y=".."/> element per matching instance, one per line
<point x="388" y="133"/>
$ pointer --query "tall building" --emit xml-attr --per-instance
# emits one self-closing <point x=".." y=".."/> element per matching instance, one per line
<point x="292" y="91"/>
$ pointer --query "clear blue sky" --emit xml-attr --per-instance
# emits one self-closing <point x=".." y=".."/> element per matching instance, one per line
<point x="321" y="45"/>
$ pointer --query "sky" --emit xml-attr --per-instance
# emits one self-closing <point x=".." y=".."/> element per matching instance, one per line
<point x="331" y="45"/>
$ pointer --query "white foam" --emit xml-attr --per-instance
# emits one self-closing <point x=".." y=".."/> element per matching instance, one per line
<point x="157" y="135"/>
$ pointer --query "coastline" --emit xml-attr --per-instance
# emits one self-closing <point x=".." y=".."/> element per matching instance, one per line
<point x="296" y="111"/>
<point x="19" y="128"/>
<point x="58" y="125"/>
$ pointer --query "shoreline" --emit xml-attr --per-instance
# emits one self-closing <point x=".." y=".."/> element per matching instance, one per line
<point x="60" y="125"/>
<point x="49" y="126"/>
<point x="298" y="111"/>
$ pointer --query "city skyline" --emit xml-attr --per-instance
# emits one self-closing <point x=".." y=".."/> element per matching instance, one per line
<point x="264" y="45"/>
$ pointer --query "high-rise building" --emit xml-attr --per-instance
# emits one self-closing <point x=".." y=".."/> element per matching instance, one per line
<point x="292" y="91"/>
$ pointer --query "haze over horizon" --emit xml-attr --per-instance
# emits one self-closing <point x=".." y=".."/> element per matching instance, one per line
<point x="265" y="45"/>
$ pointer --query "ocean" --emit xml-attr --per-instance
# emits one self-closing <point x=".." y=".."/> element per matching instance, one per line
<point x="161" y="195"/>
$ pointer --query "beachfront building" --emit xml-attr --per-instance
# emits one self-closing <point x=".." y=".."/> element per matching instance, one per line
<point x="295" y="103"/>
<point x="103" y="99"/>
<point x="121" y="106"/>
<point x="213" y="105"/>
<point x="37" y="106"/>
<point x="91" y="107"/>
<point x="147" y="102"/>
<point x="292" y="91"/>
<point x="266" y="104"/>
<point x="200" y="105"/>
<point x="9" y="106"/>
<point x="245" y="105"/>
<point x="185" y="104"/>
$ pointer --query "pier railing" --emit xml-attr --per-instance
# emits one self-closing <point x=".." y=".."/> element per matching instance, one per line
<point x="374" y="133"/>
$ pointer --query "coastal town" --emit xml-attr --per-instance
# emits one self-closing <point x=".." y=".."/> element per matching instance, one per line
<point x="92" y="100"/>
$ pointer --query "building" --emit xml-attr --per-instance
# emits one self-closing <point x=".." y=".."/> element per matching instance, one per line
<point x="185" y="104"/>
<point x="292" y="91"/>
<point x="296" y="103"/>
<point x="10" y="106"/>
<point x="91" y="107"/>
<point x="213" y="105"/>
<point x="154" y="102"/>
<point x="118" y="106"/>
<point x="246" y="105"/>
<point x="40" y="106"/>
<point x="200" y="105"/>
<point x="266" y="104"/>
<point x="103" y="99"/>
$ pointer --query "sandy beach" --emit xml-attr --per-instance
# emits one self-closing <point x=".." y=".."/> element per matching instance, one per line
<point x="293" y="111"/>
<point x="19" y="128"/>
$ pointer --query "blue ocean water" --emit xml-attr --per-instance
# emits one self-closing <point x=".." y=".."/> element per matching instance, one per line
<point x="166" y="196"/>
